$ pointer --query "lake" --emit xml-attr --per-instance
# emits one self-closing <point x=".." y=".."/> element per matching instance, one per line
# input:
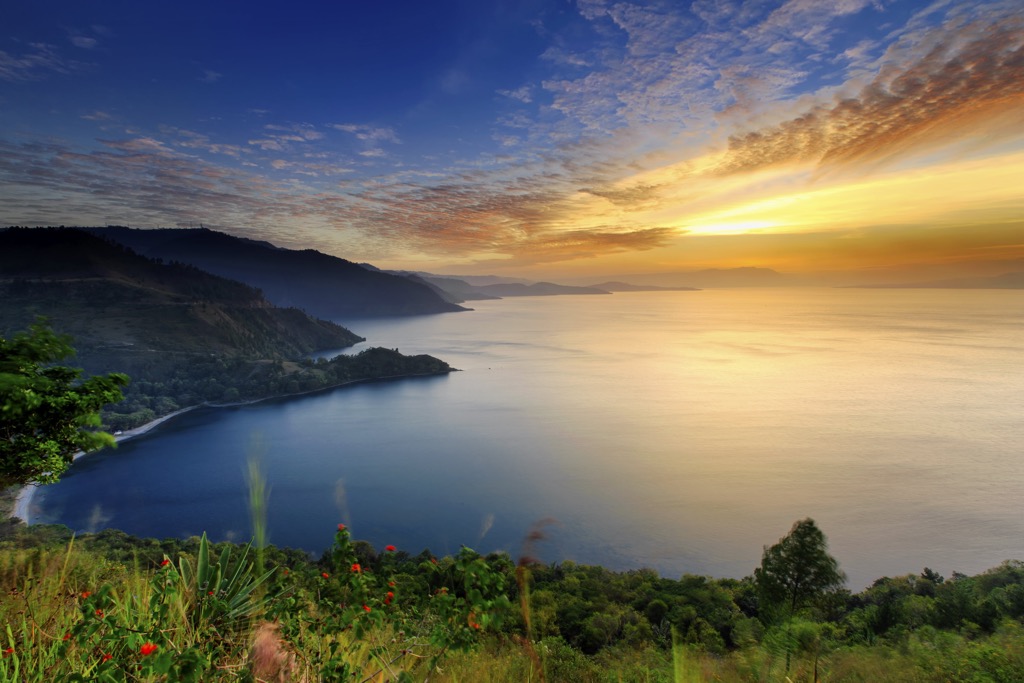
<point x="681" y="431"/>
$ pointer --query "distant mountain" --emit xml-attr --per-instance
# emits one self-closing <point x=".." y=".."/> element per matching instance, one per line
<point x="1004" y="281"/>
<point x="480" y="287"/>
<point x="710" y="278"/>
<point x="322" y="285"/>
<point x="626" y="287"/>
<point x="536" y="289"/>
<point x="479" y="280"/>
<point x="104" y="293"/>
<point x="184" y="336"/>
<point x="456" y="289"/>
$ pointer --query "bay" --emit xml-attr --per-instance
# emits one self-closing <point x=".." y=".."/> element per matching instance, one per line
<point x="681" y="431"/>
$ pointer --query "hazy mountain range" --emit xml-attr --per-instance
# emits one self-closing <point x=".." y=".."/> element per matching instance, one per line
<point x="322" y="285"/>
<point x="1004" y="281"/>
<point x="107" y="295"/>
<point x="183" y="335"/>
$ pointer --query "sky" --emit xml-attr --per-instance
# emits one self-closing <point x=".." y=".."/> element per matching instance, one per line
<point x="538" y="138"/>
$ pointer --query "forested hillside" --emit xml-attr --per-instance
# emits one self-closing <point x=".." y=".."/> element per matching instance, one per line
<point x="184" y="336"/>
<point x="323" y="285"/>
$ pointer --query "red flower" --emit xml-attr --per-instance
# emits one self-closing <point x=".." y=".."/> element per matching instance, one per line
<point x="391" y="584"/>
<point x="67" y="636"/>
<point x="9" y="651"/>
<point x="147" y="649"/>
<point x="99" y="614"/>
<point x="389" y="548"/>
<point x="85" y="594"/>
<point x="434" y="560"/>
<point x="341" y="527"/>
<point x="107" y="657"/>
<point x="165" y="562"/>
<point x="326" y="575"/>
<point x="356" y="568"/>
<point x="209" y="592"/>
<point x="366" y="607"/>
<point x="389" y="598"/>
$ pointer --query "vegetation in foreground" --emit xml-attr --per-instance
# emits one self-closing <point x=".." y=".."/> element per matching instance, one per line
<point x="110" y="607"/>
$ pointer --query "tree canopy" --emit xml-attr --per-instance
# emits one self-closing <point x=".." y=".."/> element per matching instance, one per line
<point x="798" y="569"/>
<point x="47" y="413"/>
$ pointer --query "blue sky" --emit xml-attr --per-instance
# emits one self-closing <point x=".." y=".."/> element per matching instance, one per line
<point x="533" y="137"/>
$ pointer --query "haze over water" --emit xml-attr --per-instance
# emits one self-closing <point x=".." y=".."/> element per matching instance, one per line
<point x="676" y="430"/>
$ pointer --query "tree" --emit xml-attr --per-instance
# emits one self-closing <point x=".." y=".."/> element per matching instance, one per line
<point x="47" y="413"/>
<point x="797" y="570"/>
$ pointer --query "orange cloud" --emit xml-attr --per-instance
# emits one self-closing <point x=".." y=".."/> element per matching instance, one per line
<point x="976" y="75"/>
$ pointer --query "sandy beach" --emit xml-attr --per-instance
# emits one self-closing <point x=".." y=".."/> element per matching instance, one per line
<point x="23" y="502"/>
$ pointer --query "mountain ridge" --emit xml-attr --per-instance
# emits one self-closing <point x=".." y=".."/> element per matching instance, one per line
<point x="323" y="285"/>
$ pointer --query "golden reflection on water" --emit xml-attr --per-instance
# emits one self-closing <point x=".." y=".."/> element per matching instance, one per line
<point x="676" y="430"/>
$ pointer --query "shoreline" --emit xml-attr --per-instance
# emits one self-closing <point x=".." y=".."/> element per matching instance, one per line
<point x="23" y="501"/>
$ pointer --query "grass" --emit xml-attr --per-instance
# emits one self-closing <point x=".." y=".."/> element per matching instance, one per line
<point x="50" y="593"/>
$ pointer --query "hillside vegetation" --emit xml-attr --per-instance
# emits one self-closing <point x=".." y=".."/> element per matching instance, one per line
<point x="184" y="336"/>
<point x="116" y="608"/>
<point x="321" y="284"/>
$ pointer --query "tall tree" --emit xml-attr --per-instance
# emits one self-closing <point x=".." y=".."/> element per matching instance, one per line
<point x="47" y="413"/>
<point x="797" y="570"/>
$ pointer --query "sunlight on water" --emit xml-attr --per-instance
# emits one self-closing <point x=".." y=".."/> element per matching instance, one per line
<point x="678" y="430"/>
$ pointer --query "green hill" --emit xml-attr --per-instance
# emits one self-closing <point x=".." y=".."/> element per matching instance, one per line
<point x="321" y="284"/>
<point x="184" y="336"/>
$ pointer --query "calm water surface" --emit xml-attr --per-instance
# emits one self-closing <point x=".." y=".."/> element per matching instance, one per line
<point x="676" y="430"/>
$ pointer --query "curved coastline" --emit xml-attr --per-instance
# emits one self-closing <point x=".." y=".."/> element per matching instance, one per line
<point x="23" y="501"/>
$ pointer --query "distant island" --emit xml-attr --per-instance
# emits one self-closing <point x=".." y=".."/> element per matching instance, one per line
<point x="1013" y="280"/>
<point x="490" y="287"/>
<point x="627" y="287"/>
<point x="184" y="336"/>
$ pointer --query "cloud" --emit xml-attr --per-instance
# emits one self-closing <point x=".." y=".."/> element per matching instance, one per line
<point x="454" y="81"/>
<point x="586" y="244"/>
<point x="644" y="120"/>
<point x="188" y="139"/>
<point x="286" y="137"/>
<point x="268" y="144"/>
<point x="523" y="94"/>
<point x="210" y="76"/>
<point x="975" y="74"/>
<point x="297" y="132"/>
<point x="36" y="63"/>
<point x="368" y="133"/>
<point x="84" y="42"/>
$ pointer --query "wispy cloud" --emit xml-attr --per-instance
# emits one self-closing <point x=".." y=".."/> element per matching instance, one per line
<point x="976" y="73"/>
<point x="36" y="62"/>
<point x="368" y="133"/>
<point x="667" y="118"/>
<point x="522" y="94"/>
<point x="85" y="42"/>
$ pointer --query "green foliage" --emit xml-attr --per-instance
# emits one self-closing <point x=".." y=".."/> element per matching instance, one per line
<point x="219" y="594"/>
<point x="360" y="615"/>
<point x="391" y="612"/>
<point x="796" y="572"/>
<point x="47" y="413"/>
